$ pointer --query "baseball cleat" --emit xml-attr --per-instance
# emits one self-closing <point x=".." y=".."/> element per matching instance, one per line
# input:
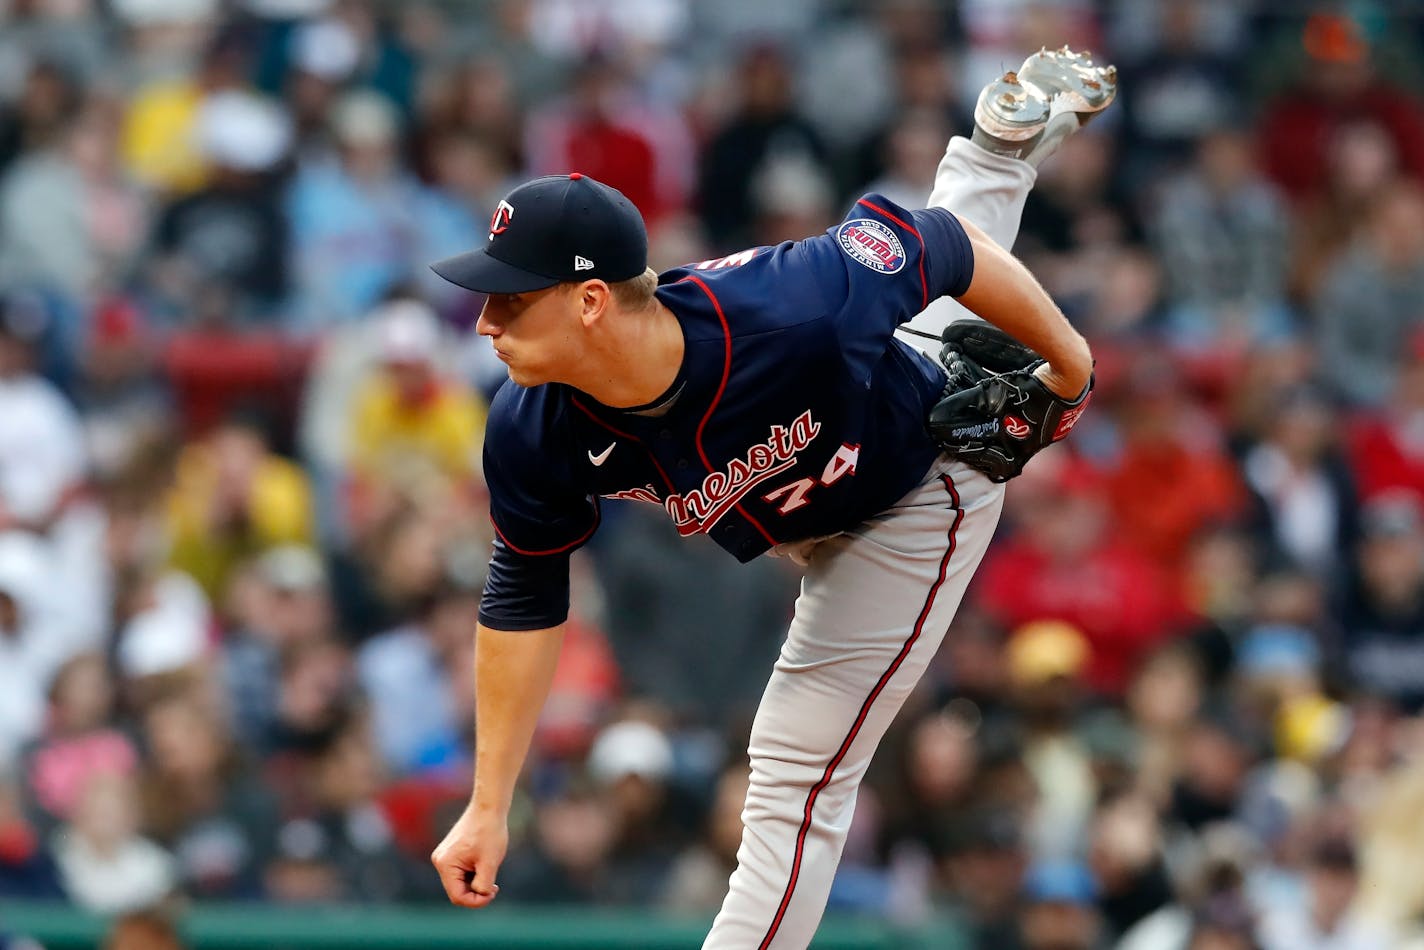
<point x="1010" y="116"/>
<point x="1072" y="88"/>
<point x="1072" y="82"/>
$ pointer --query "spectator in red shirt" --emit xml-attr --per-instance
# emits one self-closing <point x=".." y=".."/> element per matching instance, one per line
<point x="1068" y="565"/>
<point x="1339" y="85"/>
<point x="606" y="131"/>
<point x="1387" y="447"/>
<point x="1173" y="478"/>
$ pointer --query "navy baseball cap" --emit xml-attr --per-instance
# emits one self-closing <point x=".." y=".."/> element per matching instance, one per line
<point x="551" y="230"/>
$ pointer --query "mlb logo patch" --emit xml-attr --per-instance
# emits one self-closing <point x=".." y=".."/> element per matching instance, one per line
<point x="872" y="244"/>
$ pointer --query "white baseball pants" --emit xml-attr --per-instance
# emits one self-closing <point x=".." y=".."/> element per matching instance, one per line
<point x="875" y="603"/>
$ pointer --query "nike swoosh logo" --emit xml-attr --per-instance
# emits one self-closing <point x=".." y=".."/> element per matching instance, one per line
<point x="601" y="457"/>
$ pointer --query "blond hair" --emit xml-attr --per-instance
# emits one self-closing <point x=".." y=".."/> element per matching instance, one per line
<point x="636" y="293"/>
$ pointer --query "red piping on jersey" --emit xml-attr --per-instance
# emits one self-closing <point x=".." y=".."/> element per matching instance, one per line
<point x="860" y="719"/>
<point x="726" y="373"/>
<point x="597" y="517"/>
<point x="924" y="284"/>
<point x="631" y="438"/>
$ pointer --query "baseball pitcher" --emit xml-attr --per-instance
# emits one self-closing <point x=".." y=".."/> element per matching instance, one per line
<point x="765" y="399"/>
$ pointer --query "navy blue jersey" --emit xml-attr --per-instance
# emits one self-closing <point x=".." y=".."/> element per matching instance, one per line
<point x="795" y="414"/>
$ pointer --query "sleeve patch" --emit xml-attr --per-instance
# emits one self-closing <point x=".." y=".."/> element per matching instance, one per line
<point x="872" y="244"/>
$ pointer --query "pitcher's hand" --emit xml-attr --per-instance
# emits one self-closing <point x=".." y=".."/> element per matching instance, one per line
<point x="470" y="856"/>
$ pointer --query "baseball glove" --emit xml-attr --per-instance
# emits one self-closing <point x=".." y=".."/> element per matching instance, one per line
<point x="995" y="414"/>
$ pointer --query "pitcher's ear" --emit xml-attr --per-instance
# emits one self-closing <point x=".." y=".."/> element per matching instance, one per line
<point x="595" y="298"/>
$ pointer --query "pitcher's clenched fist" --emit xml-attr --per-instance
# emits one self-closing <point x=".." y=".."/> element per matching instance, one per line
<point x="469" y="858"/>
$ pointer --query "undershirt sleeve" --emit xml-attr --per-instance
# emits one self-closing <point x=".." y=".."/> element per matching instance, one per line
<point x="524" y="592"/>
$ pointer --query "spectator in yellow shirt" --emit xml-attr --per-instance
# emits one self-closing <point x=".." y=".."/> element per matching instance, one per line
<point x="411" y="421"/>
<point x="160" y="146"/>
<point x="233" y="498"/>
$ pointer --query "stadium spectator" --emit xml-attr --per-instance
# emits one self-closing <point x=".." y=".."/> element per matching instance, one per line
<point x="106" y="864"/>
<point x="570" y="843"/>
<point x="314" y="702"/>
<point x="34" y="643"/>
<point x="1059" y="912"/>
<point x="1338" y="82"/>
<point x="631" y="763"/>
<point x="610" y="130"/>
<point x="1180" y="82"/>
<point x="1361" y="167"/>
<point x="232" y="498"/>
<point x="697" y="881"/>
<point x="475" y="100"/>
<point x="78" y="742"/>
<point x="1217" y="754"/>
<point x="1386" y="448"/>
<point x="587" y="682"/>
<point x="983" y="861"/>
<point x="410" y="422"/>
<point x="416" y="678"/>
<point x="356" y="837"/>
<point x="1304" y="502"/>
<point x="70" y="221"/>
<point x="42" y="459"/>
<point x="46" y="97"/>
<point x="142" y="931"/>
<point x="277" y="603"/>
<point x="125" y="407"/>
<point x="934" y="782"/>
<point x="766" y="127"/>
<point x="1046" y="662"/>
<point x="690" y="658"/>
<point x="395" y="564"/>
<point x="922" y="90"/>
<point x="159" y="147"/>
<point x="231" y="231"/>
<point x="1126" y="854"/>
<point x="26" y="868"/>
<point x="1369" y="303"/>
<point x="1171" y="478"/>
<point x="1162" y="700"/>
<point x="357" y="223"/>
<point x="1383" y="610"/>
<point x="1125" y="611"/>
<point x="912" y="150"/>
<point x="1223" y="236"/>
<point x="215" y="815"/>
<point x="1326" y="920"/>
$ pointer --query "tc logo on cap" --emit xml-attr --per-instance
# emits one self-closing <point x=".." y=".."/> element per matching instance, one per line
<point x="499" y="221"/>
<point x="561" y="218"/>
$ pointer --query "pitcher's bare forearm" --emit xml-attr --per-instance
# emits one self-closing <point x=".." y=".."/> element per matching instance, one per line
<point x="1004" y="293"/>
<point x="513" y="671"/>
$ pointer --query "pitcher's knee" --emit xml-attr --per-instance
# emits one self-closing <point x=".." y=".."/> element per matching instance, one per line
<point x="790" y="792"/>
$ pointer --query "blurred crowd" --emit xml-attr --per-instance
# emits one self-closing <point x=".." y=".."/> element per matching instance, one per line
<point x="243" y="528"/>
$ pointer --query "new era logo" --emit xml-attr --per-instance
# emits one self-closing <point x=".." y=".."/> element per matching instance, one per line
<point x="582" y="263"/>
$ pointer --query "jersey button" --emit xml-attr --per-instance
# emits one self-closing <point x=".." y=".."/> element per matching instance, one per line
<point x="682" y="463"/>
<point x="665" y="433"/>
